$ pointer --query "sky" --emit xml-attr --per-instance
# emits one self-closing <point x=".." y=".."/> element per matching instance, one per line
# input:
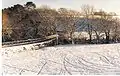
<point x="106" y="5"/>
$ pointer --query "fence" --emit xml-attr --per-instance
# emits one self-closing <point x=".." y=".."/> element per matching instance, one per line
<point x="29" y="41"/>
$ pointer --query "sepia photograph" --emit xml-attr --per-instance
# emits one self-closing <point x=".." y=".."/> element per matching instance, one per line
<point x="60" y="37"/>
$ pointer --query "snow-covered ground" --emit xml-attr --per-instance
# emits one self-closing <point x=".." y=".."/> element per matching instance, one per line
<point x="62" y="60"/>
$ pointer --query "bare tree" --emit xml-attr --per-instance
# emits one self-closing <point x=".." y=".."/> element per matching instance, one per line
<point x="97" y="28"/>
<point x="107" y="25"/>
<point x="47" y="18"/>
<point x="88" y="13"/>
<point x="104" y="24"/>
<point x="68" y="20"/>
<point x="115" y="30"/>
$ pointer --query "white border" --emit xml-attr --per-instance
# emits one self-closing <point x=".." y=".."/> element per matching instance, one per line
<point x="1" y="50"/>
<point x="0" y="36"/>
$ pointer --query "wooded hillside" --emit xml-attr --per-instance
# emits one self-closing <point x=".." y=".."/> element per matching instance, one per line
<point x="28" y="22"/>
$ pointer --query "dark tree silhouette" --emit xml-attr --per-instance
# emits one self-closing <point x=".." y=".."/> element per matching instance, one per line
<point x="30" y="5"/>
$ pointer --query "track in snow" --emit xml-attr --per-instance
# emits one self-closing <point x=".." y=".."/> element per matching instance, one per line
<point x="63" y="60"/>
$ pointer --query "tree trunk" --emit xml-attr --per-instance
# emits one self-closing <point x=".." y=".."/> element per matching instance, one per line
<point x="90" y="33"/>
<point x="71" y="35"/>
<point x="57" y="40"/>
<point x="107" y="37"/>
<point x="90" y="40"/>
<point x="97" y="36"/>
<point x="98" y="39"/>
<point x="73" y="41"/>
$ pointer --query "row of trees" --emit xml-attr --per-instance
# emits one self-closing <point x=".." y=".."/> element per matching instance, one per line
<point x="105" y="23"/>
<point x="28" y="22"/>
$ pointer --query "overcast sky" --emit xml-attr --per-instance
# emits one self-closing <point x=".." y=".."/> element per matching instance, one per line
<point x="106" y="5"/>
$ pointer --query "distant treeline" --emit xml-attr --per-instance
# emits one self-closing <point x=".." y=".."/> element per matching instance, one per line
<point x="28" y="22"/>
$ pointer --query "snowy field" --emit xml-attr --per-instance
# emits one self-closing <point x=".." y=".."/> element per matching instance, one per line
<point x="62" y="60"/>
